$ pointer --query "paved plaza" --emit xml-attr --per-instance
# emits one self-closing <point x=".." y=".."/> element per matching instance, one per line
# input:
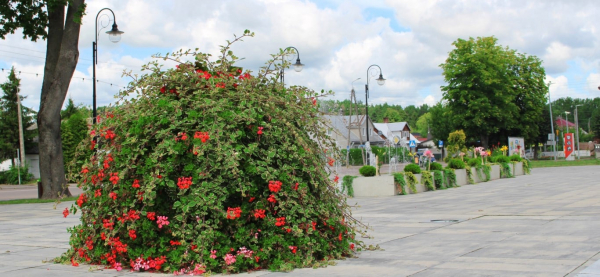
<point x="544" y="224"/>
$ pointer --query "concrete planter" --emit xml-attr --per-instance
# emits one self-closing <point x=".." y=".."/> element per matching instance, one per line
<point x="475" y="176"/>
<point x="461" y="177"/>
<point x="420" y="187"/>
<point x="495" y="173"/>
<point x="518" y="169"/>
<point x="374" y="186"/>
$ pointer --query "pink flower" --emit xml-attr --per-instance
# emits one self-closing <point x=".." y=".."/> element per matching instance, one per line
<point x="117" y="266"/>
<point x="229" y="259"/>
<point x="213" y="254"/>
<point x="162" y="221"/>
<point x="428" y="153"/>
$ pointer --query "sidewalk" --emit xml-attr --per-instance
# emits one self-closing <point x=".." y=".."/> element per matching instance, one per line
<point x="544" y="224"/>
<point x="30" y="191"/>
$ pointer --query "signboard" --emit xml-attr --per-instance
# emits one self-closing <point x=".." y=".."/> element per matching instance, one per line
<point x="348" y="148"/>
<point x="551" y="136"/>
<point x="441" y="144"/>
<point x="412" y="143"/>
<point x="569" y="144"/>
<point x="516" y="146"/>
<point x="396" y="139"/>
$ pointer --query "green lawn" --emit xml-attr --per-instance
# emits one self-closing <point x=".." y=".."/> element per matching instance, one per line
<point x="35" y="201"/>
<point x="552" y="163"/>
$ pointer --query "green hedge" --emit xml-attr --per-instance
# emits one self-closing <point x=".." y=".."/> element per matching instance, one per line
<point x="367" y="171"/>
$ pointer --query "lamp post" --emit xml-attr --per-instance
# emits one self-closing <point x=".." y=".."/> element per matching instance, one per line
<point x="577" y="129"/>
<point x="297" y="66"/>
<point x="380" y="81"/>
<point x="114" y="35"/>
<point x="567" y="120"/>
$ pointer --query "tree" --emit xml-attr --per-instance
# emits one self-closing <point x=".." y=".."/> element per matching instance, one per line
<point x="494" y="91"/>
<point x="57" y="21"/>
<point x="423" y="124"/>
<point x="9" y="121"/>
<point x="392" y="115"/>
<point x="456" y="142"/>
<point x="596" y="123"/>
<point x="441" y="122"/>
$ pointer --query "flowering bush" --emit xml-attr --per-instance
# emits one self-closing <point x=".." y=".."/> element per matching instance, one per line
<point x="206" y="168"/>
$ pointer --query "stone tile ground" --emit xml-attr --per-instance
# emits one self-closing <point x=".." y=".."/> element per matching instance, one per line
<point x="544" y="224"/>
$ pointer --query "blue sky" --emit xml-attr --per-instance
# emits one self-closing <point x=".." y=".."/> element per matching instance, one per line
<point x="337" y="40"/>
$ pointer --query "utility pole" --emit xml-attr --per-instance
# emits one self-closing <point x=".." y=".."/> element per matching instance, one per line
<point x="552" y="122"/>
<point x="577" y="129"/>
<point x="352" y="99"/>
<point x="20" y="120"/>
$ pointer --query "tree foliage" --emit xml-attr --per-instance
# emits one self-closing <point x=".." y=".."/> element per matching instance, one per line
<point x="492" y="91"/>
<point x="456" y="142"/>
<point x="9" y="119"/>
<point x="208" y="168"/>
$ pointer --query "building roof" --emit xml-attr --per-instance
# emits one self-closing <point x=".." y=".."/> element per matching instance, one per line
<point x="397" y="126"/>
<point x="560" y="122"/>
<point x="340" y="124"/>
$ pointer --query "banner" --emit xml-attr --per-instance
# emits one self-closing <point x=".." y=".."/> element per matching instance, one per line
<point x="516" y="146"/>
<point x="569" y="144"/>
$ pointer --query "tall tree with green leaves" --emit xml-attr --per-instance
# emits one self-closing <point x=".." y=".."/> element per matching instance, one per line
<point x="58" y="22"/>
<point x="9" y="119"/>
<point x="423" y="124"/>
<point x="493" y="91"/>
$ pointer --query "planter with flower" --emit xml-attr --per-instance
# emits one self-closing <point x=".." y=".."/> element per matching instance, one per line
<point x="207" y="168"/>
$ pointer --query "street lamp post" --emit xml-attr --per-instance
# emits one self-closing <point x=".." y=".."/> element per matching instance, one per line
<point x="298" y="66"/>
<point x="114" y="35"/>
<point x="380" y="81"/>
<point x="577" y="129"/>
<point x="567" y="120"/>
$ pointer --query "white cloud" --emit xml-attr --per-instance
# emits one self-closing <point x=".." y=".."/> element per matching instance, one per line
<point x="336" y="40"/>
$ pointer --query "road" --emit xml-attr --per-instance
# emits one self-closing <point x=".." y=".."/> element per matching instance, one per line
<point x="12" y="192"/>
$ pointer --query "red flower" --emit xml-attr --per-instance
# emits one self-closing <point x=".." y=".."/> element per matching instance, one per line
<point x="163" y="90"/>
<point x="184" y="182"/>
<point x="136" y="183"/>
<point x="258" y="213"/>
<point x="73" y="262"/>
<point x="151" y="215"/>
<point x="280" y="221"/>
<point x="314" y="101"/>
<point x="336" y="179"/>
<point x="114" y="178"/>
<point x="331" y="161"/>
<point x="66" y="212"/>
<point x="159" y="176"/>
<point x="132" y="234"/>
<point x="85" y="170"/>
<point x="293" y="248"/>
<point x="202" y="136"/>
<point x="173" y="243"/>
<point x="174" y="91"/>
<point x="260" y="132"/>
<point x="340" y="237"/>
<point x="314" y="226"/>
<point x="81" y="200"/>
<point x="109" y="135"/>
<point x="112" y="195"/>
<point x="220" y="85"/>
<point x="275" y="186"/>
<point x="107" y="224"/>
<point x="288" y="230"/>
<point x="183" y="136"/>
<point x="296" y="186"/>
<point x="272" y="199"/>
<point x="257" y="258"/>
<point x="233" y="213"/>
<point x="352" y="246"/>
<point x="251" y="199"/>
<point x="102" y="236"/>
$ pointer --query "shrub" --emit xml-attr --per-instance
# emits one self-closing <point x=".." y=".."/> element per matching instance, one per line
<point x="456" y="164"/>
<point x="206" y="168"/>
<point x="474" y="162"/>
<point x="500" y="159"/>
<point x="436" y="166"/>
<point x="515" y="158"/>
<point x="367" y="171"/>
<point x="11" y="176"/>
<point x="414" y="168"/>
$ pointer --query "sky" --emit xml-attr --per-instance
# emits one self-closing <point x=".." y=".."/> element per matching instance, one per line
<point x="337" y="41"/>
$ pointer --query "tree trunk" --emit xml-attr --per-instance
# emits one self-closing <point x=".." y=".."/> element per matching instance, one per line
<point x="61" y="59"/>
<point x="484" y="141"/>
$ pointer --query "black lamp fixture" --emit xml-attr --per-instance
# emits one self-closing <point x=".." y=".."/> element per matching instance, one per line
<point x="114" y="35"/>
<point x="381" y="82"/>
<point x="298" y="66"/>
